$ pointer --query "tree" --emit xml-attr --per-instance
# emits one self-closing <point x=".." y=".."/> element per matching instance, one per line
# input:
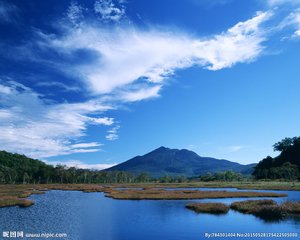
<point x="285" y="166"/>
<point x="143" y="177"/>
<point x="285" y="143"/>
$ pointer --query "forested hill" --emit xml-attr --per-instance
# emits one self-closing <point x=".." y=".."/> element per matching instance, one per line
<point x="174" y="162"/>
<point x="16" y="168"/>
<point x="285" y="166"/>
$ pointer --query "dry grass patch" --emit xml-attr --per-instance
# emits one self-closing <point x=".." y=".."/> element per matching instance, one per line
<point x="251" y="206"/>
<point x="292" y="207"/>
<point x="9" y="202"/>
<point x="161" y="194"/>
<point x="213" y="208"/>
<point x="261" y="185"/>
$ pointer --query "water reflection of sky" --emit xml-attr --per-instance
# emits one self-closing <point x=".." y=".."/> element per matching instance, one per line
<point x="93" y="216"/>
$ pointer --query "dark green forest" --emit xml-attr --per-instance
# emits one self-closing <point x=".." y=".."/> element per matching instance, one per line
<point x="285" y="166"/>
<point x="16" y="168"/>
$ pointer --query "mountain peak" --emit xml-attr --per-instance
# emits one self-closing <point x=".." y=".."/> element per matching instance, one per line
<point x="174" y="162"/>
<point x="162" y="148"/>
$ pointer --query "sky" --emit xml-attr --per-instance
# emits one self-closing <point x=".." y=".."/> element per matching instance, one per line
<point x="93" y="83"/>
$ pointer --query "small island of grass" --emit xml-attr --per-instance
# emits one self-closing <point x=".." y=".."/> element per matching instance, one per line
<point x="162" y="194"/>
<point x="213" y="208"/>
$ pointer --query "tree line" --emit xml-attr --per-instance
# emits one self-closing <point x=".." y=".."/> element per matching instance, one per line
<point x="227" y="176"/>
<point x="16" y="168"/>
<point x="285" y="166"/>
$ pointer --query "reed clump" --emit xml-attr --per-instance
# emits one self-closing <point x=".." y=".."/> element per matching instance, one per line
<point x="251" y="206"/>
<point x="267" y="209"/>
<point x="292" y="207"/>
<point x="213" y="208"/>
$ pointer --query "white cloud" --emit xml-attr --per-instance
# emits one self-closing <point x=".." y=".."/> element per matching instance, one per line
<point x="279" y="2"/>
<point x="86" y="145"/>
<point x="297" y="33"/>
<point x="35" y="127"/>
<point x="126" y="56"/>
<point x="5" y="90"/>
<point x="5" y="114"/>
<point x="108" y="10"/>
<point x="104" y="120"/>
<point x="80" y="164"/>
<point x="113" y="134"/>
<point x="292" y="20"/>
<point x="140" y="94"/>
<point x="64" y="87"/>
<point x="75" y="13"/>
<point x="235" y="148"/>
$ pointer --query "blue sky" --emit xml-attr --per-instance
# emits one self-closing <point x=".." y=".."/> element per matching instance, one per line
<point x="93" y="83"/>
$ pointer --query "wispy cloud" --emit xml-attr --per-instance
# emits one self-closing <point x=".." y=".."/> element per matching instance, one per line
<point x="280" y="2"/>
<point x="80" y="164"/>
<point x="8" y="12"/>
<point x="140" y="93"/>
<point x="235" y="148"/>
<point x="75" y="13"/>
<point x="113" y="133"/>
<point x="32" y="125"/>
<point x="59" y="85"/>
<point x="110" y="10"/>
<point x="129" y="55"/>
<point x="292" y="21"/>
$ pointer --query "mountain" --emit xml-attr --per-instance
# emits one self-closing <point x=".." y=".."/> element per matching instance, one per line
<point x="174" y="162"/>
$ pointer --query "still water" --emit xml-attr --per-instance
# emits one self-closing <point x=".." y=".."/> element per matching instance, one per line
<point x="92" y="216"/>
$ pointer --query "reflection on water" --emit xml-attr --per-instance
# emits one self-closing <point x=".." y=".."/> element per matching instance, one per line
<point x="93" y="216"/>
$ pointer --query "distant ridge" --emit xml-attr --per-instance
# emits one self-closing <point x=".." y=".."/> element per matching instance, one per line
<point x="174" y="162"/>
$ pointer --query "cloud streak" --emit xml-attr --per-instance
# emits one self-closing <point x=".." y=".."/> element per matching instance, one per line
<point x="127" y="56"/>
<point x="33" y="126"/>
<point x="81" y="165"/>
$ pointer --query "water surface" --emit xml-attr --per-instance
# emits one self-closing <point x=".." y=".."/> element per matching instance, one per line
<point x="92" y="216"/>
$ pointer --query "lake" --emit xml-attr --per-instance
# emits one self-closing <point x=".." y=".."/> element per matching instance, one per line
<point x="92" y="216"/>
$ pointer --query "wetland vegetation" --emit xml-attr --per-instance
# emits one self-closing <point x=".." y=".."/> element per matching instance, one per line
<point x="213" y="208"/>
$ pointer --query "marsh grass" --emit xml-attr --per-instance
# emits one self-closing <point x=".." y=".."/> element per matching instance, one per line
<point x="266" y="209"/>
<point x="251" y="206"/>
<point x="9" y="202"/>
<point x="161" y="194"/>
<point x="291" y="207"/>
<point x="270" y="212"/>
<point x="259" y="185"/>
<point x="212" y="208"/>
